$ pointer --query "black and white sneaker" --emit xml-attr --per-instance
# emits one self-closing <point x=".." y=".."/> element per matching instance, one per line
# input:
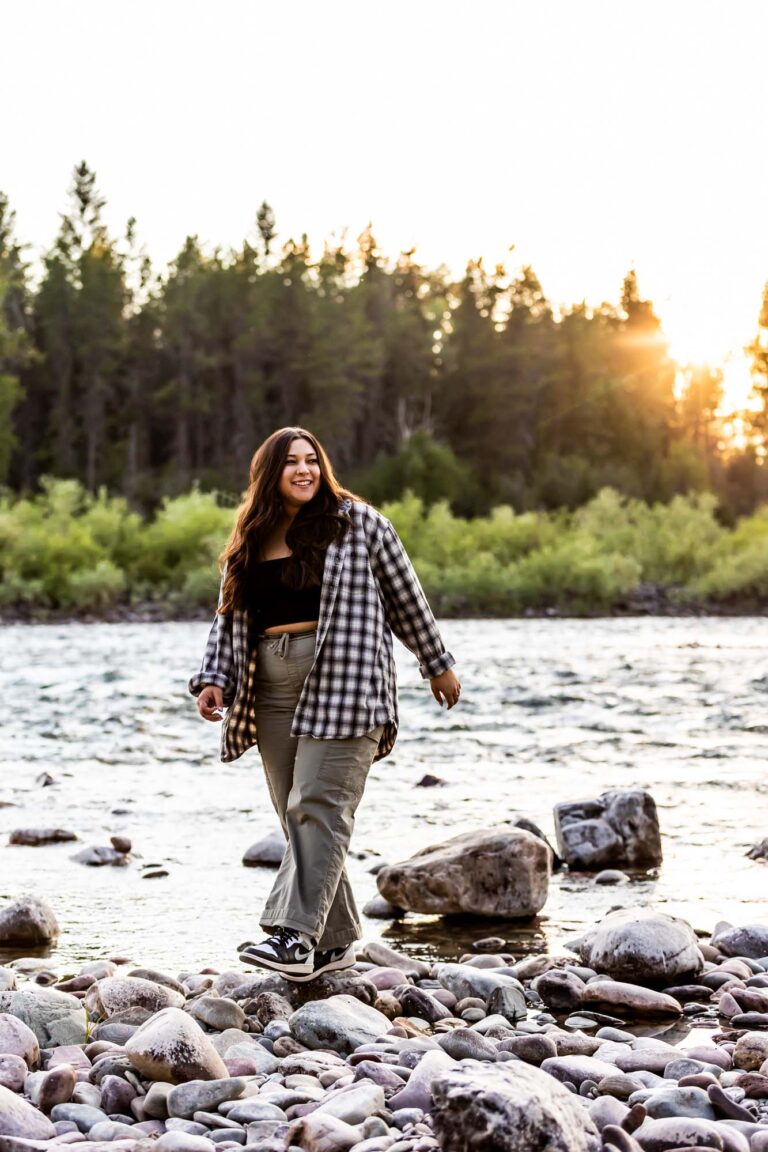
<point x="286" y="951"/>
<point x="330" y="960"/>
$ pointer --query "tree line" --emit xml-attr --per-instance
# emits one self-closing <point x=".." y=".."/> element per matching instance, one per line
<point x="476" y="391"/>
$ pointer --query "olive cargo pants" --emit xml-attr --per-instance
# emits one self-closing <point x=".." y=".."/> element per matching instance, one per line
<point x="315" y="786"/>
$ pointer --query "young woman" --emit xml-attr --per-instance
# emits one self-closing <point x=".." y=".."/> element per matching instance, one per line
<point x="300" y="661"/>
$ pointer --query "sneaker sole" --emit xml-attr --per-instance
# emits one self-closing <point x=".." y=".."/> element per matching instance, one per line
<point x="302" y="972"/>
<point x="334" y="966"/>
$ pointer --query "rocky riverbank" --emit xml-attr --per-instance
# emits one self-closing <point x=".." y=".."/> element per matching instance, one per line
<point x="646" y="1038"/>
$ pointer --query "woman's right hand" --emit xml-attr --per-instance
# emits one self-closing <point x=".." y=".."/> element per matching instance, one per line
<point x="209" y="700"/>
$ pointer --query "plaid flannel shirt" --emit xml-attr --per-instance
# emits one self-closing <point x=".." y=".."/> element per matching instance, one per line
<point x="369" y="591"/>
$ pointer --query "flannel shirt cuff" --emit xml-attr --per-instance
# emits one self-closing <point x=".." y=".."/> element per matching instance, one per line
<point x="437" y="665"/>
<point x="197" y="683"/>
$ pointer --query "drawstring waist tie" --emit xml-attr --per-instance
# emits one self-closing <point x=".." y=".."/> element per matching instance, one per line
<point x="279" y="641"/>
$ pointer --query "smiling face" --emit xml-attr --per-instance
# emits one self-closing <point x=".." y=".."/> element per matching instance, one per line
<point x="300" y="478"/>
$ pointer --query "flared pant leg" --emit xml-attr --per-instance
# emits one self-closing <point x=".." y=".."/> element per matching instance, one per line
<point x="315" y="786"/>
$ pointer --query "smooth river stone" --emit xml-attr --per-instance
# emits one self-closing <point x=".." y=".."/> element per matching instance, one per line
<point x="577" y="1069"/>
<point x="203" y="1095"/>
<point x="34" y="837"/>
<point x="17" y="1039"/>
<point x="171" y="1046"/>
<point x="354" y="1104"/>
<point x="679" y="1102"/>
<point x="677" y="1132"/>
<point x="19" y="1118"/>
<point x="7" y="979"/>
<point x="267" y="852"/>
<point x="751" y="1051"/>
<point x="13" y="1072"/>
<point x="46" y="1089"/>
<point x="417" y="1093"/>
<point x="386" y="957"/>
<point x="28" y="920"/>
<point x="639" y="944"/>
<point x="748" y="940"/>
<point x="217" y="1012"/>
<point x="340" y="1023"/>
<point x="532" y="1049"/>
<point x="613" y="996"/>
<point x="117" y="993"/>
<point x="464" y="980"/>
<point x="83" y="1115"/>
<point x="56" y="1018"/>
<point x="499" y="871"/>
<point x="510" y="1107"/>
<point x="322" y="1133"/>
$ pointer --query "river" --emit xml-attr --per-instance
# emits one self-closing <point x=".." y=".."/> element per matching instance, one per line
<point x="551" y="710"/>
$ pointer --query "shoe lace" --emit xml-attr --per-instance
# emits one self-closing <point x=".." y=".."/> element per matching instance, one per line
<point x="286" y="935"/>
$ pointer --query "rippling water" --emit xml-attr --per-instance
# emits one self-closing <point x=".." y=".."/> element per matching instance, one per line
<point x="551" y="710"/>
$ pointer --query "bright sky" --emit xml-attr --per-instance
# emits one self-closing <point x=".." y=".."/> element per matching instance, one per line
<point x="593" y="135"/>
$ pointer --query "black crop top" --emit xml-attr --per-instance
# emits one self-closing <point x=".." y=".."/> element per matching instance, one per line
<point x="271" y="602"/>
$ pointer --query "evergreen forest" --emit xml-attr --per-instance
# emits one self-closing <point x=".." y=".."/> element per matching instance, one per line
<point x="144" y="390"/>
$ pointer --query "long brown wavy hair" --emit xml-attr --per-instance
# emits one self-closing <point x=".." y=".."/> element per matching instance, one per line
<point x="313" y="528"/>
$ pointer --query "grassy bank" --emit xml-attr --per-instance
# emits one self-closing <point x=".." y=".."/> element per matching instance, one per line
<point x="64" y="551"/>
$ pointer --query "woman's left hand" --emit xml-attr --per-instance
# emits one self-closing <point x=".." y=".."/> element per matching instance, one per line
<point x="446" y="688"/>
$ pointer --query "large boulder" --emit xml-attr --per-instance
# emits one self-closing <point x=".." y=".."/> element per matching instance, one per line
<point x="172" y="1047"/>
<point x="28" y="920"/>
<point x="341" y="1023"/>
<point x="619" y="828"/>
<point x="56" y="1018"/>
<point x="639" y="944"/>
<point x="508" y="1107"/>
<point x="496" y="872"/>
<point x="19" y="1118"/>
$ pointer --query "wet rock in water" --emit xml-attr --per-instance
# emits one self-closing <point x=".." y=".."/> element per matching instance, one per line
<point x="33" y="837"/>
<point x="510" y="1107"/>
<point x="121" y="844"/>
<point x="45" y="780"/>
<point x="340" y="1023"/>
<point x="28" y="920"/>
<point x="628" y="999"/>
<point x="429" y="781"/>
<point x="560" y="991"/>
<point x="465" y="980"/>
<point x="18" y="1039"/>
<point x="97" y="856"/>
<point x="56" y="1018"/>
<point x="20" y="1118"/>
<point x="379" y="953"/>
<point x="749" y="940"/>
<point x="13" y="1072"/>
<point x="759" y="851"/>
<point x="118" y="993"/>
<point x="494" y="872"/>
<point x="619" y="828"/>
<point x="171" y="1046"/>
<point x="611" y="876"/>
<point x="267" y="852"/>
<point x="639" y="944"/>
<point x="377" y="908"/>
